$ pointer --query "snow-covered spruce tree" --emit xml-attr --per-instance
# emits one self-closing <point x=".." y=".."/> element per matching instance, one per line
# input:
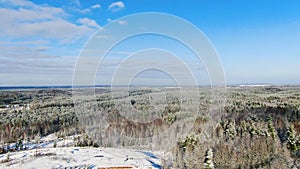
<point x="292" y="140"/>
<point x="208" y="162"/>
<point x="271" y="129"/>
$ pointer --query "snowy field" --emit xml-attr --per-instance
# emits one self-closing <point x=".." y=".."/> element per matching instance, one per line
<point x="74" y="157"/>
<point x="44" y="156"/>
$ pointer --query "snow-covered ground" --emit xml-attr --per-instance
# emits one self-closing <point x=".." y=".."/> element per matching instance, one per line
<point x="44" y="155"/>
<point x="79" y="157"/>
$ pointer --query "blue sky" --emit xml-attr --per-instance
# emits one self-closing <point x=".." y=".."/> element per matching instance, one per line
<point x="257" y="41"/>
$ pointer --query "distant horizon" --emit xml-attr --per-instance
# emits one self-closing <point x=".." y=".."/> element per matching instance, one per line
<point x="107" y="85"/>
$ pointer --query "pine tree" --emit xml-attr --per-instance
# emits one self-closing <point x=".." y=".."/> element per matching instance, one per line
<point x="292" y="141"/>
<point x="271" y="128"/>
<point x="208" y="163"/>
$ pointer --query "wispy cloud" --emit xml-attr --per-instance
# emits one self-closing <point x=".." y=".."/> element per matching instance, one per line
<point x="95" y="6"/>
<point x="29" y="42"/>
<point x="116" y="6"/>
<point x="21" y="52"/>
<point x="88" y="22"/>
<point x="85" y="10"/>
<point x="154" y="66"/>
<point x="21" y="65"/>
<point x="120" y="22"/>
<point x="22" y="3"/>
<point x="26" y="19"/>
<point x="35" y="40"/>
<point x="89" y="9"/>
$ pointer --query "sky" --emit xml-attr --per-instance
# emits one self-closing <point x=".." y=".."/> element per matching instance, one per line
<point x="256" y="41"/>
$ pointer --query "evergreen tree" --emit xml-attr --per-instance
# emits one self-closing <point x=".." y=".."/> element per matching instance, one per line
<point x="208" y="163"/>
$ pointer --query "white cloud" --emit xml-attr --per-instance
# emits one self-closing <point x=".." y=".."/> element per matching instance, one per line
<point x="116" y="6"/>
<point x="21" y="65"/>
<point x="29" y="42"/>
<point x="120" y="22"/>
<point x="88" y="22"/>
<point x="96" y="6"/>
<point x="21" y="52"/>
<point x="26" y="19"/>
<point x="29" y="34"/>
<point x="58" y="29"/>
<point x="86" y="10"/>
<point x="31" y="14"/>
<point x="89" y="9"/>
<point x="21" y="3"/>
